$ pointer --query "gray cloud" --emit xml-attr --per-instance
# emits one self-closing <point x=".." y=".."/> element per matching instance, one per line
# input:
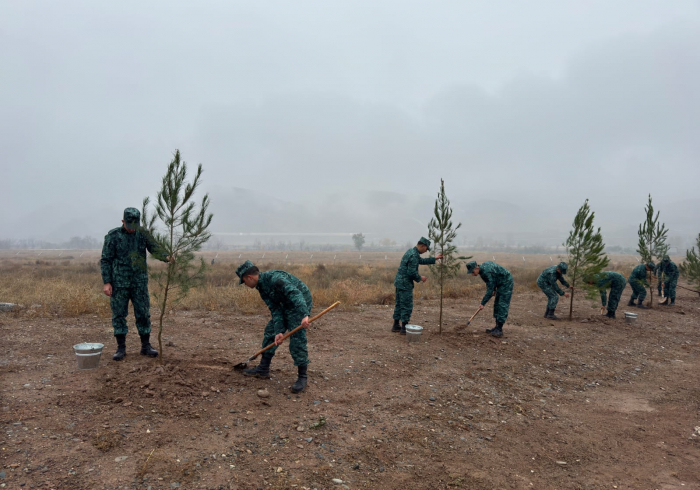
<point x="538" y="105"/>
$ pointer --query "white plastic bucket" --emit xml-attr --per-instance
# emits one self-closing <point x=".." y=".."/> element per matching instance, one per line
<point x="413" y="333"/>
<point x="88" y="355"/>
<point x="630" y="318"/>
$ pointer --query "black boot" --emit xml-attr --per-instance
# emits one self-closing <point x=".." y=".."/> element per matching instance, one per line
<point x="640" y="304"/>
<point x="497" y="331"/>
<point x="262" y="370"/>
<point x="121" y="347"/>
<point x="664" y="302"/>
<point x="146" y="349"/>
<point x="673" y="301"/>
<point x="403" y="328"/>
<point x="552" y="316"/>
<point x="300" y="383"/>
<point x="396" y="327"/>
<point x="611" y="314"/>
<point x="546" y="313"/>
<point x="631" y="303"/>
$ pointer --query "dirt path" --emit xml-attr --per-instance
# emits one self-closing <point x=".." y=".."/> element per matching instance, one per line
<point x="581" y="405"/>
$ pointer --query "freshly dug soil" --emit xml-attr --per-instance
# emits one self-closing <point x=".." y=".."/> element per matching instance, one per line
<point x="588" y="404"/>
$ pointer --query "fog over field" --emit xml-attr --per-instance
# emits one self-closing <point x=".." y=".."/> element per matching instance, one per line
<point x="320" y="117"/>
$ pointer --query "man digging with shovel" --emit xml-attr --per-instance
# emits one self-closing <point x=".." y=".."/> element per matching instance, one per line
<point x="289" y="301"/>
<point x="498" y="279"/>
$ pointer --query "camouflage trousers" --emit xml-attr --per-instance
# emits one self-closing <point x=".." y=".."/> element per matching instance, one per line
<point x="638" y="290"/>
<point x="119" y="302"/>
<point x="501" y="304"/>
<point x="670" y="288"/>
<point x="297" y="342"/>
<point x="403" y="306"/>
<point x="615" y="294"/>
<point x="552" y="295"/>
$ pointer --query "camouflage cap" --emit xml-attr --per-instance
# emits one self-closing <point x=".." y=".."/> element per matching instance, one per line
<point x="471" y="266"/>
<point x="667" y="258"/>
<point x="132" y="218"/>
<point x="562" y="267"/>
<point x="243" y="269"/>
<point x="651" y="265"/>
<point x="425" y="242"/>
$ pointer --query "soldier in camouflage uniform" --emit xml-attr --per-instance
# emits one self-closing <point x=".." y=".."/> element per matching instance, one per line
<point x="125" y="277"/>
<point x="670" y="272"/>
<point x="498" y="279"/>
<point x="548" y="284"/>
<point x="289" y="301"/>
<point x="613" y="280"/>
<point x="405" y="277"/>
<point x="638" y="281"/>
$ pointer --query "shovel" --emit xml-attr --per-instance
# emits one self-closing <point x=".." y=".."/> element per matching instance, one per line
<point x="244" y="364"/>
<point x="476" y="313"/>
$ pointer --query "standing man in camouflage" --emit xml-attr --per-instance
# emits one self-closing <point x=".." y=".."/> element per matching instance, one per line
<point x="405" y="277"/>
<point x="125" y="277"/>
<point x="548" y="284"/>
<point x="613" y="280"/>
<point x="289" y="301"/>
<point x="498" y="279"/>
<point x="670" y="272"/>
<point x="638" y="281"/>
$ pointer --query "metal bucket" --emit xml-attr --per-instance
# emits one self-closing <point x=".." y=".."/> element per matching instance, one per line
<point x="413" y="333"/>
<point x="630" y="318"/>
<point x="88" y="355"/>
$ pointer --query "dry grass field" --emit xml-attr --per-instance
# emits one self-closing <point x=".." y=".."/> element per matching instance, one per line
<point x="68" y="283"/>
<point x="589" y="404"/>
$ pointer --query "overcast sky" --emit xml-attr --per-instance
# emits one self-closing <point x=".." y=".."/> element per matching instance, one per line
<point x="542" y="103"/>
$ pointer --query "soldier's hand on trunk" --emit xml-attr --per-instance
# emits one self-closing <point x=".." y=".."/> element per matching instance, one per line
<point x="423" y="278"/>
<point x="305" y="322"/>
<point x="279" y="338"/>
<point x="107" y="289"/>
<point x="438" y="257"/>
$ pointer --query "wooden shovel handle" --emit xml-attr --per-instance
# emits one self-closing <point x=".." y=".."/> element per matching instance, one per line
<point x="292" y="332"/>
<point x="475" y="313"/>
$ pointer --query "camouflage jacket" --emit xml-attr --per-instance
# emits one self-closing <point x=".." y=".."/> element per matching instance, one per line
<point x="639" y="275"/>
<point x="609" y="280"/>
<point x="408" y="270"/>
<point x="550" y="276"/>
<point x="123" y="262"/>
<point x="283" y="292"/>
<point x="494" y="276"/>
<point x="668" y="269"/>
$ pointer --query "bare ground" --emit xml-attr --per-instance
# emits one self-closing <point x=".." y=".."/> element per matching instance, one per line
<point x="588" y="404"/>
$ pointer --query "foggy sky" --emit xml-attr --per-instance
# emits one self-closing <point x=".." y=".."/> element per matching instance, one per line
<point x="540" y="104"/>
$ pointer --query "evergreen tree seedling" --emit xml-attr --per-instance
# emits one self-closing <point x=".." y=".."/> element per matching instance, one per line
<point x="180" y="229"/>
<point x="690" y="268"/>
<point x="442" y="232"/>
<point x="652" y="242"/>
<point x="586" y="251"/>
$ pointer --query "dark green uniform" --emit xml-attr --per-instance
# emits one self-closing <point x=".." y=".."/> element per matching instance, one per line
<point x="123" y="265"/>
<point x="497" y="278"/>
<point x="670" y="271"/>
<point x="289" y="301"/>
<point x="405" y="277"/>
<point x="616" y="282"/>
<point x="638" y="281"/>
<point x="547" y="281"/>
